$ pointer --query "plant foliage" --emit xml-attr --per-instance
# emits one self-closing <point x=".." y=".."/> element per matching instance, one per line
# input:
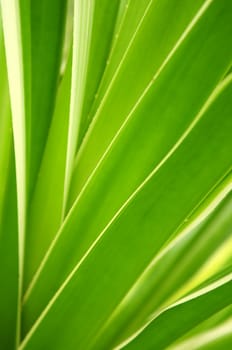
<point x="115" y="174"/>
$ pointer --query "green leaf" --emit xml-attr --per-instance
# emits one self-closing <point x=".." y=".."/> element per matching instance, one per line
<point x="47" y="25"/>
<point x="83" y="20"/>
<point x="5" y="123"/>
<point x="166" y="328"/>
<point x="8" y="218"/>
<point x="9" y="265"/>
<point x="217" y="338"/>
<point x="115" y="174"/>
<point x="145" y="23"/>
<point x="102" y="30"/>
<point x="90" y="51"/>
<point x="89" y="288"/>
<point x="157" y="288"/>
<point x="28" y="35"/>
<point x="130" y="17"/>
<point x="210" y="322"/>
<point x="126" y="164"/>
<point x="50" y="183"/>
<point x="17" y="53"/>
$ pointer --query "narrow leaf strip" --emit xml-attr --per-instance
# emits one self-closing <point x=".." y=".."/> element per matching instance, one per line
<point x="104" y="18"/>
<point x="47" y="23"/>
<point x="14" y="54"/>
<point x="5" y="123"/>
<point x="45" y="213"/>
<point x="83" y="15"/>
<point x="8" y="217"/>
<point x="15" y="28"/>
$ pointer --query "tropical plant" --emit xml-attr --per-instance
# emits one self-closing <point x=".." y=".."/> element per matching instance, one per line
<point x="115" y="174"/>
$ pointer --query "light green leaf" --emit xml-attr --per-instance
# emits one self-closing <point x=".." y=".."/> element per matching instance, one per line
<point x="5" y="123"/>
<point x="104" y="18"/>
<point x="29" y="33"/>
<point x="83" y="19"/>
<point x="17" y="53"/>
<point x="217" y="338"/>
<point x="145" y="24"/>
<point x="9" y="266"/>
<point x="8" y="218"/>
<point x="142" y="222"/>
<point x="156" y="288"/>
<point x="165" y="328"/>
<point x="130" y="17"/>
<point x="90" y="50"/>
<point x="46" y="28"/>
<point x="115" y="174"/>
<point x="210" y="322"/>
<point x="157" y="124"/>
<point x="47" y="25"/>
<point x="50" y="183"/>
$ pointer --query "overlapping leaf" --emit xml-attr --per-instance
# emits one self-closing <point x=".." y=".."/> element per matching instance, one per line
<point x="142" y="223"/>
<point x="120" y="189"/>
<point x="109" y="187"/>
